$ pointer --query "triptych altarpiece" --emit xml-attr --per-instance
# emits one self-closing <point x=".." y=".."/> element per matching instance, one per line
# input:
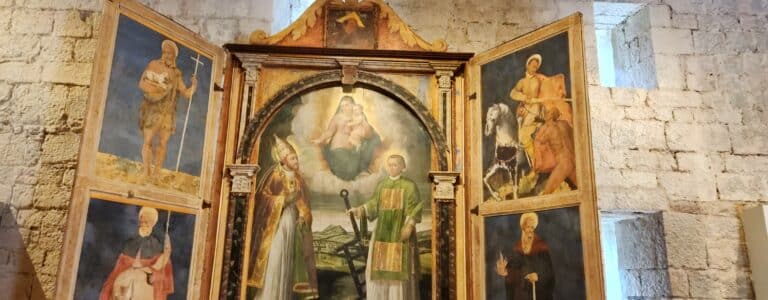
<point x="344" y="157"/>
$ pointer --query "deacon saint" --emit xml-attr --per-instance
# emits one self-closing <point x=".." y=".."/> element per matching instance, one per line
<point x="393" y="265"/>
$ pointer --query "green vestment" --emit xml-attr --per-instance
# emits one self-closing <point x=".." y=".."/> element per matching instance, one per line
<point x="393" y="202"/>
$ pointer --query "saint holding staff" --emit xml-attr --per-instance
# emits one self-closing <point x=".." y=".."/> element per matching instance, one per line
<point x="161" y="82"/>
<point x="143" y="269"/>
<point x="282" y="258"/>
<point x="527" y="270"/>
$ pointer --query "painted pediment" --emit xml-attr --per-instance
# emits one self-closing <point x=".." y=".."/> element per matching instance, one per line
<point x="350" y="24"/>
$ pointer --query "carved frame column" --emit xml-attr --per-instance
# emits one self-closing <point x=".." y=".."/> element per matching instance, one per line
<point x="242" y="176"/>
<point x="445" y="89"/>
<point x="251" y="65"/>
<point x="444" y="74"/>
<point x="444" y="193"/>
<point x="251" y="72"/>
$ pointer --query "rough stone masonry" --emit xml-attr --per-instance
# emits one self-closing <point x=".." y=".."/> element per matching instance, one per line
<point x="694" y="148"/>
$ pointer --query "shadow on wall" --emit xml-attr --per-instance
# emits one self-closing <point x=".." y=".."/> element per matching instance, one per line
<point x="17" y="275"/>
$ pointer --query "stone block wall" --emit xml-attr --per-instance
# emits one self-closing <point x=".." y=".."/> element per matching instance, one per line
<point x="45" y="67"/>
<point x="694" y="150"/>
<point x="642" y="258"/>
<point x="633" y="51"/>
<point x="690" y="148"/>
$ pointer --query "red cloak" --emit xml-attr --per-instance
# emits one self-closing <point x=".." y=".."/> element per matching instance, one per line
<point x="162" y="280"/>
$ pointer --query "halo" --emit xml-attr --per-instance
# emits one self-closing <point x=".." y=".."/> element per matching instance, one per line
<point x="535" y="56"/>
<point x="529" y="215"/>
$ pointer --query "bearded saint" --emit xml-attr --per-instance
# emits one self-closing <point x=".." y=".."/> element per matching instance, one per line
<point x="528" y="269"/>
<point x="143" y="269"/>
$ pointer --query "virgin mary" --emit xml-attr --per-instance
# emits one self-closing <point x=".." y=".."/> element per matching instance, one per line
<point x="349" y="142"/>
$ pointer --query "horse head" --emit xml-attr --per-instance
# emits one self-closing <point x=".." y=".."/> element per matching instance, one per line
<point x="496" y="114"/>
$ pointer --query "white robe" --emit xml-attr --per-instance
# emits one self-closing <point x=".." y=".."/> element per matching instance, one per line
<point x="278" y="277"/>
<point x="394" y="289"/>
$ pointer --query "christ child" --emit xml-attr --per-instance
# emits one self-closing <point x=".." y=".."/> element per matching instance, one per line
<point x="359" y="129"/>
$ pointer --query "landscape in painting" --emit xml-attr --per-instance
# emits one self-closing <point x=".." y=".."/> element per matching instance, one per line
<point x="345" y="188"/>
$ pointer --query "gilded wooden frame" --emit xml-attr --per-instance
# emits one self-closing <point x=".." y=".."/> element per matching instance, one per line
<point x="248" y="153"/>
<point x="88" y="183"/>
<point x="315" y="71"/>
<point x="584" y="197"/>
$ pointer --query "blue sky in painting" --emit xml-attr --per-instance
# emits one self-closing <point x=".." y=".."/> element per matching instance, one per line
<point x="135" y="46"/>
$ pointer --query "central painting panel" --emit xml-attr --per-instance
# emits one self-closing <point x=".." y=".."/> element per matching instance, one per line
<point x="342" y="206"/>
